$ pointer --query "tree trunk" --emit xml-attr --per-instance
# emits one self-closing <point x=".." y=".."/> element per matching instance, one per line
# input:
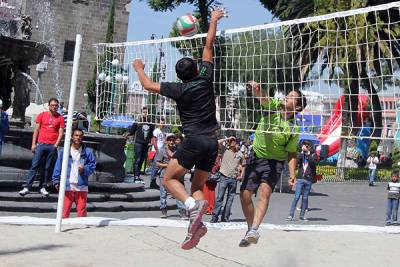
<point x="349" y="117"/>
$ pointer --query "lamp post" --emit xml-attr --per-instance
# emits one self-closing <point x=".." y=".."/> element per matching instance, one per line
<point x="115" y="75"/>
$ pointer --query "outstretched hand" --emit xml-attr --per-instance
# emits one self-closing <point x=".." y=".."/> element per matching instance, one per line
<point x="138" y="64"/>
<point x="253" y="86"/>
<point x="217" y="14"/>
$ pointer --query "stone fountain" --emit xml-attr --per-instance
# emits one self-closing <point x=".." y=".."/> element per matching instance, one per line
<point x="17" y="53"/>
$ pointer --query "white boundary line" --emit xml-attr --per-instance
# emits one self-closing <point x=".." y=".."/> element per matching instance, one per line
<point x="264" y="26"/>
<point x="155" y="222"/>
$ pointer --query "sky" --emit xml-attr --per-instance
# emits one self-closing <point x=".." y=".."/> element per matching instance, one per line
<point x="143" y="21"/>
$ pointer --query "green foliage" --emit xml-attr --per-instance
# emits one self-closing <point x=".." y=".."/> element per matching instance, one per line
<point x="396" y="157"/>
<point x="92" y="83"/>
<point x="201" y="8"/>
<point x="373" y="147"/>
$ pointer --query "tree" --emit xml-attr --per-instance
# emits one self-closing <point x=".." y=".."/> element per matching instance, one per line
<point x="91" y="84"/>
<point x="201" y="6"/>
<point x="361" y="56"/>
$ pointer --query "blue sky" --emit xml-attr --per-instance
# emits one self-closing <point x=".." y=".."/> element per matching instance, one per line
<point x="143" y="21"/>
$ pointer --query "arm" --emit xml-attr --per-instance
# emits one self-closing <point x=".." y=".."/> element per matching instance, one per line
<point x="60" y="135"/>
<point x="90" y="164"/>
<point x="212" y="29"/>
<point x="34" y="137"/>
<point x="57" y="169"/>
<point x="154" y="143"/>
<point x="220" y="141"/>
<point x="257" y="91"/>
<point x="145" y="81"/>
<point x="242" y="170"/>
<point x="292" y="162"/>
<point x="161" y="165"/>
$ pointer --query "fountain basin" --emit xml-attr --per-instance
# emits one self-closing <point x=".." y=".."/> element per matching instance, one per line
<point x="16" y="157"/>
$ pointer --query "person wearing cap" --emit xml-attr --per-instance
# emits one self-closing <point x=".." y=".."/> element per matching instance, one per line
<point x="162" y="159"/>
<point x="306" y="165"/>
<point x="4" y="125"/>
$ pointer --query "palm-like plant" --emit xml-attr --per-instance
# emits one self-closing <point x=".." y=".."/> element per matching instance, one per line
<point x="363" y="47"/>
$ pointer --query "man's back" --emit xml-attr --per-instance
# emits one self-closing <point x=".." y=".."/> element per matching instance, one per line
<point x="195" y="101"/>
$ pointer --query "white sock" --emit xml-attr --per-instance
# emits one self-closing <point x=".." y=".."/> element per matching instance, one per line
<point x="190" y="202"/>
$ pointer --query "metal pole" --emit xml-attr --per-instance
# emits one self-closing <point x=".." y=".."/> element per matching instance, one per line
<point x="67" y="143"/>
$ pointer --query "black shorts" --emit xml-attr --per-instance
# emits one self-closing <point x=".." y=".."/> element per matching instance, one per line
<point x="199" y="151"/>
<point x="260" y="170"/>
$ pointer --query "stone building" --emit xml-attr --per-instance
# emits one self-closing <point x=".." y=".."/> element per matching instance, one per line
<point x="57" y="22"/>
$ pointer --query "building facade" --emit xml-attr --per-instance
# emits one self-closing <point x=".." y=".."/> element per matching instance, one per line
<point x="57" y="22"/>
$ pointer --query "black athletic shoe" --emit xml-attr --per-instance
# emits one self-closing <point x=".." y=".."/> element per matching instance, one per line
<point x="154" y="185"/>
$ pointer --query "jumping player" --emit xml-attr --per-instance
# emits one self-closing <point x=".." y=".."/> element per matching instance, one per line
<point x="196" y="105"/>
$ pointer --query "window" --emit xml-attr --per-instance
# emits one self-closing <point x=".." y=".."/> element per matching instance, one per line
<point x="69" y="50"/>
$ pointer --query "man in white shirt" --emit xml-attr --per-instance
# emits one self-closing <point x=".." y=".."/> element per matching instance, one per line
<point x="372" y="161"/>
<point x="158" y="141"/>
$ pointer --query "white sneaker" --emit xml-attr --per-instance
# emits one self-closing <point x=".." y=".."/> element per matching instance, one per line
<point x="24" y="192"/>
<point x="44" y="192"/>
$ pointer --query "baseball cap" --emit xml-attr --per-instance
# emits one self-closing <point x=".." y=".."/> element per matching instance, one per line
<point x="171" y="135"/>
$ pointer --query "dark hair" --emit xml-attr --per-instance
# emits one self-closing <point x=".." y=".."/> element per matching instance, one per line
<point x="179" y="136"/>
<point x="301" y="100"/>
<point x="53" y="99"/>
<point x="186" y="69"/>
<point x="144" y="108"/>
<point x="395" y="172"/>
<point x="77" y="129"/>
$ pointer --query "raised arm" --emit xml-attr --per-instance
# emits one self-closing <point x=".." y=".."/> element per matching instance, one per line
<point x="256" y="89"/>
<point x="212" y="29"/>
<point x="145" y="81"/>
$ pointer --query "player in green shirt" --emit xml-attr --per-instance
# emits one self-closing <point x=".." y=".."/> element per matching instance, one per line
<point x="275" y="141"/>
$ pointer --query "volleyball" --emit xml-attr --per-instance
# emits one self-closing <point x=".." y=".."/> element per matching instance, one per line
<point x="187" y="25"/>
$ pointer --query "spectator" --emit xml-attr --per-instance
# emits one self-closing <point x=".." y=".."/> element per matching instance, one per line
<point x="372" y="160"/>
<point x="143" y="133"/>
<point x="158" y="141"/>
<point x="4" y="125"/>
<point x="231" y="171"/>
<point x="306" y="162"/>
<point x="393" y="199"/>
<point x="163" y="157"/>
<point x="81" y="164"/>
<point x="210" y="185"/>
<point x="76" y="117"/>
<point x="45" y="140"/>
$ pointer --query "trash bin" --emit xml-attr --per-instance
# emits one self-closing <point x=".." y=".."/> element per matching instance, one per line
<point x="130" y="157"/>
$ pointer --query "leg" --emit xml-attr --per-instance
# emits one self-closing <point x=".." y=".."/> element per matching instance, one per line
<point x="154" y="170"/>
<point x="137" y="161"/>
<point x="265" y="192"/>
<point x="306" y="192"/>
<point x="163" y="195"/>
<point x="80" y="201"/>
<point x="49" y="164"/>
<point x="68" y="200"/>
<point x="171" y="180"/>
<point x="199" y="179"/>
<point x="34" y="167"/>
<point x="247" y="206"/>
<point x="389" y="208"/>
<point x="395" y="210"/>
<point x="297" y="194"/>
<point x="229" y="199"/>
<point x="223" y="184"/>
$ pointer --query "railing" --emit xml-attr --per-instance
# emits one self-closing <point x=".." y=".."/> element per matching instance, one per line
<point x="333" y="174"/>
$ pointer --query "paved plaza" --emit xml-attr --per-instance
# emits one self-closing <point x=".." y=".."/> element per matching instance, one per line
<point x="345" y="229"/>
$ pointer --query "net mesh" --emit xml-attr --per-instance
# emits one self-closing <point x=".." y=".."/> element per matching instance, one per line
<point x="346" y="64"/>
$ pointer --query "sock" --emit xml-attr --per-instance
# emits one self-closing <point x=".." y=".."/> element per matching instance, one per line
<point x="190" y="203"/>
<point x="254" y="228"/>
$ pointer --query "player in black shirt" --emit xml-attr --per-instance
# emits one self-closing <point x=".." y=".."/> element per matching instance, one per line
<point x="143" y="131"/>
<point x="195" y="101"/>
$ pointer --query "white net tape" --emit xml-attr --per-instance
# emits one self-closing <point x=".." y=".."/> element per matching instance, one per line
<point x="346" y="64"/>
